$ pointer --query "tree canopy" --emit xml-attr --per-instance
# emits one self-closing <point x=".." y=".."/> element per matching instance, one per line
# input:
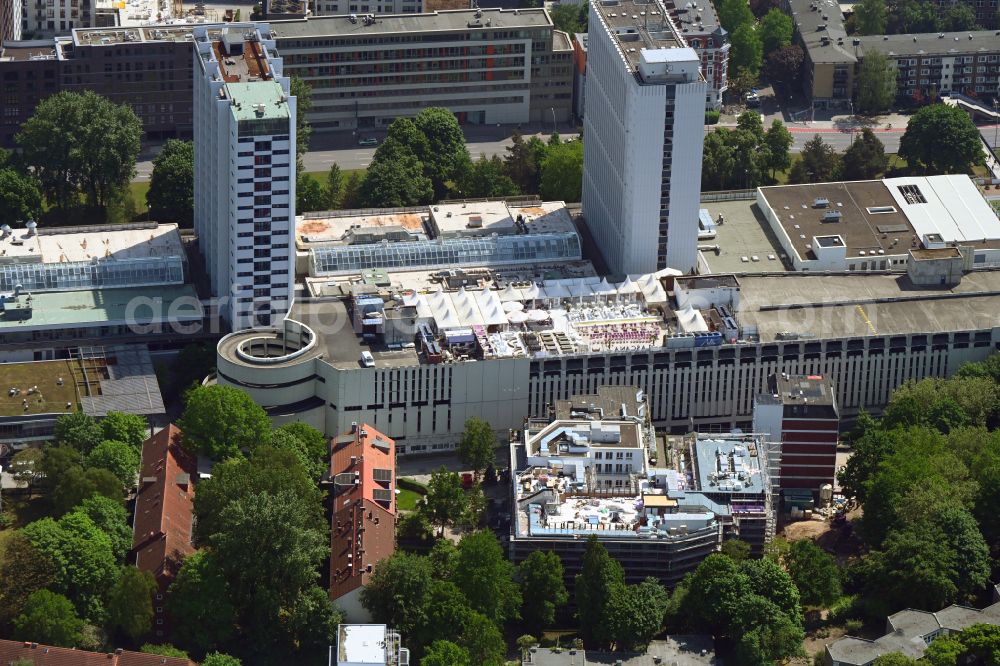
<point x="130" y="604"/>
<point x="221" y="421"/>
<point x="477" y="448"/>
<point x="20" y="198"/>
<point x="118" y="458"/>
<point x="876" y="83"/>
<point x="543" y="589"/>
<point x="81" y="143"/>
<point x="941" y="139"/>
<point x="171" y="184"/>
<point x="775" y="30"/>
<point x="746" y="50"/>
<point x="446" y="158"/>
<point x="485" y="577"/>
<point x="871" y="17"/>
<point x="865" y="158"/>
<point x="202" y="614"/>
<point x="562" y="172"/>
<point x="814" y="573"/>
<point x="818" y="163"/>
<point x="50" y="618"/>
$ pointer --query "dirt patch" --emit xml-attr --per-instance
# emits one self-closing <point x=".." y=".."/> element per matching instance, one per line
<point x="814" y="644"/>
<point x="806" y="529"/>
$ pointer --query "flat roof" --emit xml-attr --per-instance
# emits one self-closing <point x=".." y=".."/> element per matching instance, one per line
<point x="95" y="307"/>
<point x="40" y="387"/>
<point x="640" y="29"/>
<point x="795" y="208"/>
<point x="259" y="100"/>
<point x="41" y="49"/>
<point x="110" y="36"/>
<point x="728" y="465"/>
<point x="950" y="206"/>
<point x="930" y="43"/>
<point x="361" y="643"/>
<point x="102" y="242"/>
<point x="486" y="217"/>
<point x="746" y="242"/>
<point x="863" y="305"/>
<point x="444" y="21"/>
<point x="610" y="399"/>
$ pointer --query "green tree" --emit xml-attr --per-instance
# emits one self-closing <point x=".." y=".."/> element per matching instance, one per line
<point x="865" y="158"/>
<point x="871" y="17"/>
<point x="309" y="194"/>
<point x="876" y="83"/>
<point x="395" y="178"/>
<point x="561" y="172"/>
<point x="775" y="30"/>
<point x="163" y="649"/>
<point x="397" y="591"/>
<point x="486" y="178"/>
<point x="202" y="615"/>
<point x="636" y="614"/>
<point x="570" y="18"/>
<point x="941" y="139"/>
<point x="78" y="431"/>
<point x="111" y="518"/>
<point x="83" y="557"/>
<point x="312" y="623"/>
<point x="220" y="421"/>
<point x="444" y="615"/>
<point x="735" y="549"/>
<point x="958" y="17"/>
<point x="130" y="605"/>
<point x="718" y="163"/>
<point x="23" y="571"/>
<point x="485" y="577"/>
<point x="601" y="578"/>
<point x="220" y="659"/>
<point x="733" y="14"/>
<point x="445" y="653"/>
<point x="814" y="573"/>
<point x="445" y="502"/>
<point x="483" y="640"/>
<point x="765" y="635"/>
<point x="521" y="163"/>
<point x="48" y="618"/>
<point x="334" y="187"/>
<point x="286" y="441"/>
<point x="118" y="458"/>
<point x="315" y="444"/>
<point x="302" y="92"/>
<point x="895" y="659"/>
<point x="778" y="141"/>
<point x="78" y="484"/>
<point x="100" y="150"/>
<point x="20" y="199"/>
<point x="171" y="185"/>
<point x="977" y="644"/>
<point x="477" y="448"/>
<point x="746" y="51"/>
<point x="447" y="158"/>
<point x="352" y="191"/>
<point x="818" y="163"/>
<point x="542" y="588"/>
<point x="785" y="64"/>
<point x="129" y="428"/>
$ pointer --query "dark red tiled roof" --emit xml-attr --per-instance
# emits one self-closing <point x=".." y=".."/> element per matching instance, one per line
<point x="363" y="524"/>
<point x="46" y="655"/>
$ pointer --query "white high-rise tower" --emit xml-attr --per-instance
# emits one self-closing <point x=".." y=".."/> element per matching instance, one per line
<point x="644" y="124"/>
<point x="244" y="176"/>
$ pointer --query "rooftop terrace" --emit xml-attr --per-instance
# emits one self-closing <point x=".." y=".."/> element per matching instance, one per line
<point x="103" y="242"/>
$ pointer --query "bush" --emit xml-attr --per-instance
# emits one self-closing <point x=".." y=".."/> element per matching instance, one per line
<point x="712" y="117"/>
<point x="404" y="483"/>
<point x="853" y="627"/>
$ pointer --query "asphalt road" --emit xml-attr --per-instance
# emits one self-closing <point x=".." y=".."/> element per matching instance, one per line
<point x="328" y="149"/>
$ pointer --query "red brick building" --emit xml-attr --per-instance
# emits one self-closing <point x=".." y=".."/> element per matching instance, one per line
<point x="363" y="523"/>
<point x="801" y="413"/>
<point x="47" y="655"/>
<point x="164" y="515"/>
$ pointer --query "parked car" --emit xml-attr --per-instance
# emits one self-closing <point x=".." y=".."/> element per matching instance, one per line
<point x="367" y="141"/>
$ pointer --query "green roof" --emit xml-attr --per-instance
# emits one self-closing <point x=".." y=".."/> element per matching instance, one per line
<point x="249" y="95"/>
<point x="63" y="309"/>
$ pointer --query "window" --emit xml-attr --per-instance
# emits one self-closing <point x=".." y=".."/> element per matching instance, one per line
<point x="382" y="495"/>
<point x="382" y="475"/>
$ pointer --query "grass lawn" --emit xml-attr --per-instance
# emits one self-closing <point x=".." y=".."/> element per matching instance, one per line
<point x="345" y="173"/>
<point x="50" y="396"/>
<point x="407" y="500"/>
<point x="138" y="190"/>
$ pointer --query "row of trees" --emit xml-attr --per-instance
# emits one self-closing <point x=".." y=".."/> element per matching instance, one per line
<point x="745" y="156"/>
<point x="879" y="17"/>
<point x="751" y="40"/>
<point x="425" y="160"/>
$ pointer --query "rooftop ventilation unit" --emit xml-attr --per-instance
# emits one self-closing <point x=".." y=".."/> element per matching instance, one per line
<point x="832" y="216"/>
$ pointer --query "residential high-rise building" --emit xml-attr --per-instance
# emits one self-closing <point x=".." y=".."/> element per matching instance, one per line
<point x="10" y="20"/>
<point x="643" y="129"/>
<point x="244" y="172"/>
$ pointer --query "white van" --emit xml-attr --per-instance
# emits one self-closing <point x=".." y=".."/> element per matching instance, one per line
<point x="367" y="360"/>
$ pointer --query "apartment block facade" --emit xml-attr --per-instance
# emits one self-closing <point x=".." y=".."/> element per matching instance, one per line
<point x="10" y="20"/>
<point x="486" y="65"/>
<point x="644" y="116"/>
<point x="244" y="172"/>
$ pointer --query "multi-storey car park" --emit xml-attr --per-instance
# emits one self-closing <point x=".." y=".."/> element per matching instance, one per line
<point x="505" y="340"/>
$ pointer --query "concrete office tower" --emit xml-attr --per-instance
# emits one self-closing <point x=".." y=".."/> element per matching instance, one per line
<point x="10" y="20"/>
<point x="244" y="145"/>
<point x="643" y="129"/>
